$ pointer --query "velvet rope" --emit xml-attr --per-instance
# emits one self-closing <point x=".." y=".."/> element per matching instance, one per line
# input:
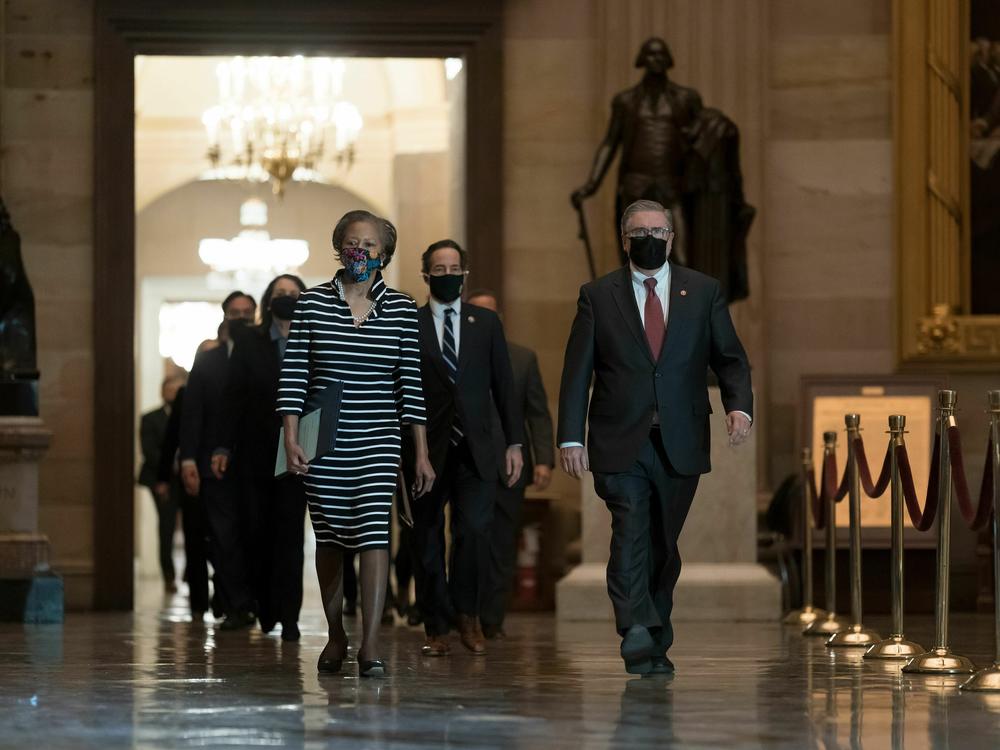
<point x="921" y="520"/>
<point x="816" y="502"/>
<point x="978" y="517"/>
<point x="874" y="490"/>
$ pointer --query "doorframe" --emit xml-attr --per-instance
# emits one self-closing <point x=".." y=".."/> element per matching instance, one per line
<point x="369" y="28"/>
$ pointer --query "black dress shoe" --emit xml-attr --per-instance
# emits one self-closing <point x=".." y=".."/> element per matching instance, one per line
<point x="374" y="668"/>
<point x="290" y="632"/>
<point x="661" y="665"/>
<point x="331" y="664"/>
<point x="238" y="621"/>
<point x="637" y="650"/>
<point x="266" y="626"/>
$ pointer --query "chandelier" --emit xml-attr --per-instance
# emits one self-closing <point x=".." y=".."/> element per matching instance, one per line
<point x="277" y="118"/>
<point x="251" y="257"/>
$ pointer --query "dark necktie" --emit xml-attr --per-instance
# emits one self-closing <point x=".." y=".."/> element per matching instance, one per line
<point x="450" y="354"/>
<point x="653" y="319"/>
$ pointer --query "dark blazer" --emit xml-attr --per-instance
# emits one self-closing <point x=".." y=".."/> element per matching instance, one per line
<point x="250" y="421"/>
<point x="201" y="420"/>
<point x="484" y="380"/>
<point x="529" y="393"/>
<point x="607" y="344"/>
<point x="152" y="430"/>
<point x="171" y="439"/>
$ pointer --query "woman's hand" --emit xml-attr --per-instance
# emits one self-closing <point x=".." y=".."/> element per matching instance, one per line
<point x="424" y="476"/>
<point x="297" y="463"/>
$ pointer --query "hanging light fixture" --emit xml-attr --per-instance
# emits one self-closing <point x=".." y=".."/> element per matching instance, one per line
<point x="277" y="117"/>
<point x="251" y="256"/>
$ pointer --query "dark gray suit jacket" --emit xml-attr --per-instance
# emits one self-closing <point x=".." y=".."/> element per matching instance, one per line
<point x="529" y="392"/>
<point x="607" y="345"/>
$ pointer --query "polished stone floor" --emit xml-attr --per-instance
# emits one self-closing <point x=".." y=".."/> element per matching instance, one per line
<point x="154" y="679"/>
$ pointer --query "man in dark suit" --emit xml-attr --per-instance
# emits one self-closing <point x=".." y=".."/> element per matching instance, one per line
<point x="466" y="372"/>
<point x="539" y="458"/>
<point x="152" y="431"/>
<point x="646" y="336"/>
<point x="202" y="427"/>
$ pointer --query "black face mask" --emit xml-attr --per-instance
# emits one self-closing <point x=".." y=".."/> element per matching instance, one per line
<point x="648" y="253"/>
<point x="282" y="307"/>
<point x="446" y="288"/>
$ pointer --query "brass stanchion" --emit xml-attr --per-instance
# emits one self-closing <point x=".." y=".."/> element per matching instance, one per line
<point x="896" y="646"/>
<point x="988" y="679"/>
<point x="855" y="635"/>
<point x="832" y="623"/>
<point x="808" y="613"/>
<point x="940" y="659"/>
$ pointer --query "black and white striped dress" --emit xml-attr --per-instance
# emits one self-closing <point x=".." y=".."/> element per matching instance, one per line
<point x="350" y="490"/>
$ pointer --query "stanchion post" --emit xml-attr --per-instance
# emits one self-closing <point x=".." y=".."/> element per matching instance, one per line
<point x="988" y="679"/>
<point x="940" y="659"/>
<point x="896" y="646"/>
<point x="856" y="635"/>
<point x="832" y="623"/>
<point x="808" y="613"/>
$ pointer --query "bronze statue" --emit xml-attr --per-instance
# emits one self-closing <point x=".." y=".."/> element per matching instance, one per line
<point x="18" y="368"/>
<point x="680" y="154"/>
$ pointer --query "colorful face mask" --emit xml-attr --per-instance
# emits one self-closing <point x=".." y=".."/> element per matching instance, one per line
<point x="357" y="263"/>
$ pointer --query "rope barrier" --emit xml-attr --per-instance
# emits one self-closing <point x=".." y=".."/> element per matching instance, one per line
<point x="922" y="520"/>
<point x="978" y="517"/>
<point x="874" y="490"/>
<point x="829" y="489"/>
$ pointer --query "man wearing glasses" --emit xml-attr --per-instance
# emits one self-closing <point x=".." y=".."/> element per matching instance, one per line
<point x="465" y="369"/>
<point x="646" y="335"/>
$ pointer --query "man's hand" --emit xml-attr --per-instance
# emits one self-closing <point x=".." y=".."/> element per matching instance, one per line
<point x="542" y="478"/>
<point x="161" y="491"/>
<point x="190" y="478"/>
<point x="220" y="463"/>
<point x="515" y="463"/>
<point x="738" y="427"/>
<point x="574" y="461"/>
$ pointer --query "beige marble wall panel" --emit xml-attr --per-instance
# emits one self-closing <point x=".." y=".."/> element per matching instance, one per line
<point x="825" y="18"/>
<point x="809" y="60"/>
<point x="49" y="17"/>
<point x="47" y="62"/>
<point x="832" y="111"/>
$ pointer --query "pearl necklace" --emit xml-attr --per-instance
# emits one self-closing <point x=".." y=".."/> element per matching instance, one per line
<point x="359" y="320"/>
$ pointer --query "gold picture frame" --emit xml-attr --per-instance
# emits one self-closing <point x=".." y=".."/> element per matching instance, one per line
<point x="931" y="134"/>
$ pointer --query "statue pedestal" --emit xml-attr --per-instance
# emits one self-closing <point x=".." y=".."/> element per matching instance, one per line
<point x="29" y="591"/>
<point x="720" y="577"/>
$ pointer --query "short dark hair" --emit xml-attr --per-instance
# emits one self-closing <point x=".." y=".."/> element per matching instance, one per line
<point x="386" y="232"/>
<point x="235" y="296"/>
<point x="425" y="259"/>
<point x="640" y="59"/>
<point x="266" y="316"/>
<point x="482" y="292"/>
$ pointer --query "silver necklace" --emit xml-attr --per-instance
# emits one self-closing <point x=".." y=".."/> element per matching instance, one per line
<point x="359" y="320"/>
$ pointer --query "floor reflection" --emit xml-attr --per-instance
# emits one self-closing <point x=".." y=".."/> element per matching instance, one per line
<point x="155" y="679"/>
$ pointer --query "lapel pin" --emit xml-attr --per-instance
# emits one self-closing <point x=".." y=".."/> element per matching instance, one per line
<point x="684" y="292"/>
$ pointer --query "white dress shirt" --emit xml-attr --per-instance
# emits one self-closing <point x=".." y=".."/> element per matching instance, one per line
<point x="662" y="289"/>
<point x="437" y="312"/>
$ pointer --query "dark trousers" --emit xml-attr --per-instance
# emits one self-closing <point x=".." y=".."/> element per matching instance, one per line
<point x="503" y="553"/>
<point x="648" y="505"/>
<point x="196" y="549"/>
<point x="228" y="522"/>
<point x="166" y="524"/>
<point x="277" y="539"/>
<point x="403" y="564"/>
<point x="472" y="498"/>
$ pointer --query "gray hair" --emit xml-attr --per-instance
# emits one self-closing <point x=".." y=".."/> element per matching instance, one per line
<point x="386" y="232"/>
<point x="641" y="206"/>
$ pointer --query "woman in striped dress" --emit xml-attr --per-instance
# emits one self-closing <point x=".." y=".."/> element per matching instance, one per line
<point x="355" y="330"/>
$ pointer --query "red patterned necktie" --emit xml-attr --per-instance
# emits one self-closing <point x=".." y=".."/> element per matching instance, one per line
<point x="653" y="319"/>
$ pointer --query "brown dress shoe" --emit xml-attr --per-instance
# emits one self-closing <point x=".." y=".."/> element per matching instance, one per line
<point x="471" y="634"/>
<point x="434" y="646"/>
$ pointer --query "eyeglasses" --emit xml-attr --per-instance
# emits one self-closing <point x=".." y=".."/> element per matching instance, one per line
<point x="660" y="233"/>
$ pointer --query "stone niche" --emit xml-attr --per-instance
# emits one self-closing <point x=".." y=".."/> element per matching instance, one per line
<point x="721" y="579"/>
<point x="29" y="591"/>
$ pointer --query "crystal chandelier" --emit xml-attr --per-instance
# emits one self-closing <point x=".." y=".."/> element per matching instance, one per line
<point x="277" y="118"/>
<point x="251" y="257"/>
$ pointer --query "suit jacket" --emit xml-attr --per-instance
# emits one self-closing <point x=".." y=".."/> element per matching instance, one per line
<point x="152" y="430"/>
<point x="484" y="380"/>
<point x="250" y="420"/>
<point x="607" y="344"/>
<point x="165" y="471"/>
<point x="201" y="420"/>
<point x="529" y="393"/>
